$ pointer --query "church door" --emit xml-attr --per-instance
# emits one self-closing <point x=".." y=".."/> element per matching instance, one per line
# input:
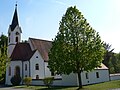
<point x="17" y="70"/>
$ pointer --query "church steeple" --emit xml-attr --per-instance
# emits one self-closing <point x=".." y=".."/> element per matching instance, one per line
<point x="14" y="32"/>
<point x="15" y="19"/>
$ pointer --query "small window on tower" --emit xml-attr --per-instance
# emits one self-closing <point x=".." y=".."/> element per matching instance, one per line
<point x="17" y="33"/>
<point x="9" y="34"/>
<point x="9" y="39"/>
<point x="16" y="39"/>
<point x="25" y="67"/>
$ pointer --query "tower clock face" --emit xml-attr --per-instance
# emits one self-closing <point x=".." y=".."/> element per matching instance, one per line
<point x="17" y="33"/>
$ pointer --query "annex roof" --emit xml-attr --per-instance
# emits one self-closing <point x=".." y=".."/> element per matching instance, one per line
<point x="102" y="67"/>
<point x="43" y="46"/>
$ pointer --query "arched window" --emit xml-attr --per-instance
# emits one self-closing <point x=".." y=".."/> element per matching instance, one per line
<point x="9" y="73"/>
<point x="25" y="67"/>
<point x="37" y="67"/>
<point x="37" y="76"/>
<point x="16" y="39"/>
<point x="17" y="70"/>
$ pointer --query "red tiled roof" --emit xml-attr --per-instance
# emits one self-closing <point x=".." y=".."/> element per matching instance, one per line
<point x="22" y="51"/>
<point x="102" y="66"/>
<point x="43" y="46"/>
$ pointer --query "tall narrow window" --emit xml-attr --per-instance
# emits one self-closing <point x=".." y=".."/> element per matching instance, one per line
<point x="37" y="67"/>
<point x="16" y="39"/>
<point x="97" y="74"/>
<point x="9" y="39"/>
<point x="37" y="76"/>
<point x="25" y="67"/>
<point x="52" y="73"/>
<point x="86" y="74"/>
<point x="9" y="71"/>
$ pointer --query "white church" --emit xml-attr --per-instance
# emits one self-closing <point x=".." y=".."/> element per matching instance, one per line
<point x="30" y="59"/>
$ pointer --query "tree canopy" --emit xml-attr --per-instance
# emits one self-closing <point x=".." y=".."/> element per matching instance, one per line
<point x="77" y="46"/>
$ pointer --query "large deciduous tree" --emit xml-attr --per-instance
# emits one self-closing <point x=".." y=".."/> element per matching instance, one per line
<point x="77" y="47"/>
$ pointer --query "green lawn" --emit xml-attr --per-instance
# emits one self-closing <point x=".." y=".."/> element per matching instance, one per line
<point x="101" y="86"/>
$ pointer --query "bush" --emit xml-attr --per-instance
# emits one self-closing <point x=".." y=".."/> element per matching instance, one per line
<point x="48" y="81"/>
<point x="27" y="80"/>
<point x="15" y="80"/>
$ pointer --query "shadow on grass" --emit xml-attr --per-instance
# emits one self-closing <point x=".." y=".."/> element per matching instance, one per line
<point x="61" y="88"/>
<point x="46" y="88"/>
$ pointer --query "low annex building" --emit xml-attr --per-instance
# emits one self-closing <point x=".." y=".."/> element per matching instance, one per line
<point x="30" y="59"/>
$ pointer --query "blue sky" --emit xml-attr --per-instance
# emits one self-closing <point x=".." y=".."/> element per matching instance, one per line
<point x="40" y="18"/>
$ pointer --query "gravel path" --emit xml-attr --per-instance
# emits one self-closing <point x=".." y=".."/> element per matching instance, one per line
<point x="12" y="88"/>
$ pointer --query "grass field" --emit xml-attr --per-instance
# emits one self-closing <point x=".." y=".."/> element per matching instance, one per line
<point x="102" y="86"/>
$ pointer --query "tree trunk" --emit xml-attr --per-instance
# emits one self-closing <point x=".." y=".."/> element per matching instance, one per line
<point x="79" y="79"/>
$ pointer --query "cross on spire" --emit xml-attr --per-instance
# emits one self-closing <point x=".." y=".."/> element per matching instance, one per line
<point x="16" y="4"/>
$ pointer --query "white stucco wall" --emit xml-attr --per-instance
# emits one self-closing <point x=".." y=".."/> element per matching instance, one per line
<point x="69" y="80"/>
<point x="37" y="82"/>
<point x="115" y="76"/>
<point x="13" y="35"/>
<point x="47" y="71"/>
<point x="33" y="62"/>
<point x="12" y="64"/>
<point x="12" y="42"/>
<point x="72" y="79"/>
<point x="103" y="76"/>
<point x="10" y="49"/>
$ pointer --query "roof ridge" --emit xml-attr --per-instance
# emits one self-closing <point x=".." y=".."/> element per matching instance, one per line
<point x="40" y="39"/>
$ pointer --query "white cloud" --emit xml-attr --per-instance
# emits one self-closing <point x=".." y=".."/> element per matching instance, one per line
<point x="59" y="2"/>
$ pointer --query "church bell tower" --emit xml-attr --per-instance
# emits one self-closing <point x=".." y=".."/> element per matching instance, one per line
<point x="14" y="33"/>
